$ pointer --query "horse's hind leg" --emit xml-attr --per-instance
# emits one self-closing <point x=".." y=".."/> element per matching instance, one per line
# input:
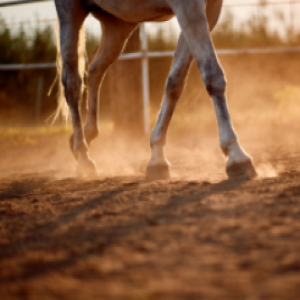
<point x="158" y="166"/>
<point x="71" y="17"/>
<point x="192" y="19"/>
<point x="115" y="33"/>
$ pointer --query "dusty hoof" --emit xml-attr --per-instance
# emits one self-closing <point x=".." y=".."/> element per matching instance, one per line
<point x="87" y="168"/>
<point x="243" y="170"/>
<point x="158" y="173"/>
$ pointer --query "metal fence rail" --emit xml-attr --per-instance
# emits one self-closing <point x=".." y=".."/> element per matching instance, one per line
<point x="157" y="54"/>
<point x="18" y="2"/>
<point x="15" y="67"/>
<point x="144" y="55"/>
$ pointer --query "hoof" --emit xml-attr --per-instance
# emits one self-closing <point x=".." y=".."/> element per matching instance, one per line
<point x="87" y="168"/>
<point x="158" y="173"/>
<point x="244" y="170"/>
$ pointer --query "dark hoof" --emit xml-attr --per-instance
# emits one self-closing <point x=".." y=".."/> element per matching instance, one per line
<point x="158" y="173"/>
<point x="87" y="169"/>
<point x="243" y="170"/>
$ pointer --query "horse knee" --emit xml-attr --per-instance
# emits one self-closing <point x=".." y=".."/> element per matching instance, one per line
<point x="214" y="80"/>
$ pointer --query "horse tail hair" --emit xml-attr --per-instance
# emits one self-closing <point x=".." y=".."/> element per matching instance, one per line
<point x="62" y="107"/>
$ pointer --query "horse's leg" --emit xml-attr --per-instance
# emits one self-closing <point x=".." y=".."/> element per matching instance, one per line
<point x="158" y="166"/>
<point x="192" y="19"/>
<point x="115" y="33"/>
<point x="71" y="16"/>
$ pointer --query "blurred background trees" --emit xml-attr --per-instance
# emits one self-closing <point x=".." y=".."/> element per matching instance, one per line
<point x="18" y="89"/>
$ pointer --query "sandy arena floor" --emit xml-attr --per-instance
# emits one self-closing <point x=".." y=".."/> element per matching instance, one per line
<point x="197" y="236"/>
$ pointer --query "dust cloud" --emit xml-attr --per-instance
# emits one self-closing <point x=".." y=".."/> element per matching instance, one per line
<point x="266" y="170"/>
<point x="264" y="107"/>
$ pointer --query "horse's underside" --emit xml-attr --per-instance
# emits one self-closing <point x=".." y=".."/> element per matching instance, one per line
<point x="119" y="18"/>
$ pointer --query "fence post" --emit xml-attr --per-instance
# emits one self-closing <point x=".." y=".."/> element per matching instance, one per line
<point x="145" y="74"/>
<point x="126" y="92"/>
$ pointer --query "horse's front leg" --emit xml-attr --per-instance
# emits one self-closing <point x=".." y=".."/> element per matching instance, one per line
<point x="158" y="166"/>
<point x="70" y="23"/>
<point x="192" y="19"/>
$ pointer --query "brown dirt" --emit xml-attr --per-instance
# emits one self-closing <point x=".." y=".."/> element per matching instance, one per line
<point x="197" y="236"/>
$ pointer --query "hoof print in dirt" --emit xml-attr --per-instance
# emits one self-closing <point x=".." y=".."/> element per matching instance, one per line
<point x="242" y="171"/>
<point x="158" y="173"/>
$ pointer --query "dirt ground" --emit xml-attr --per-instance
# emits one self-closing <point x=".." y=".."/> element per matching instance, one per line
<point x="197" y="236"/>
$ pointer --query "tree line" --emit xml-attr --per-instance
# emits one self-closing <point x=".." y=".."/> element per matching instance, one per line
<point x="18" y="88"/>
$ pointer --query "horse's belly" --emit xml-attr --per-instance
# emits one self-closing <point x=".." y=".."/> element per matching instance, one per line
<point x="137" y="10"/>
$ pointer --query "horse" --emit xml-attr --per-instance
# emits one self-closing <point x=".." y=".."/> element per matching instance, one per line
<point x="119" y="18"/>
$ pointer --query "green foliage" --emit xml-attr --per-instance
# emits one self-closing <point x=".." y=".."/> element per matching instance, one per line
<point x="26" y="45"/>
<point x="254" y="33"/>
<point x="19" y="88"/>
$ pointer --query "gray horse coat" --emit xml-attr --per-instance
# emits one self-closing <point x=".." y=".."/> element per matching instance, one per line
<point x="119" y="18"/>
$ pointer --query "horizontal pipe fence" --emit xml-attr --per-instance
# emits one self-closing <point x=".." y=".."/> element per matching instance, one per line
<point x="145" y="55"/>
<point x="157" y="54"/>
